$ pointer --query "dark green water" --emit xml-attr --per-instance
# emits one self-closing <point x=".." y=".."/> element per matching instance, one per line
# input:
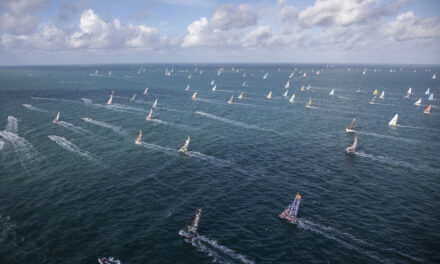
<point x="92" y="192"/>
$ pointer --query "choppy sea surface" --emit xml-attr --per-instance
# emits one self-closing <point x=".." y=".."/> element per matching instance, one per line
<point x="80" y="189"/>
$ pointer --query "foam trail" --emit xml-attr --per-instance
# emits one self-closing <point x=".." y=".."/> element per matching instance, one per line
<point x="158" y="121"/>
<point x="2" y="144"/>
<point x="208" y="101"/>
<point x="125" y="107"/>
<point x="232" y="122"/>
<point x="203" y="248"/>
<point x="24" y="150"/>
<point x="116" y="129"/>
<point x="86" y="101"/>
<point x="89" y="102"/>
<point x="157" y="147"/>
<point x="389" y="137"/>
<point x="227" y="251"/>
<point x="72" y="127"/>
<point x="207" y="157"/>
<point x="396" y="163"/>
<point x="12" y="125"/>
<point x="33" y="108"/>
<point x="64" y="143"/>
<point x="49" y="99"/>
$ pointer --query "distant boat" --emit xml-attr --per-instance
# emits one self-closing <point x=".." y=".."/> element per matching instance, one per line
<point x="189" y="76"/>
<point x="308" y="86"/>
<point x="302" y="88"/>
<point x="317" y="73"/>
<point x="332" y="92"/>
<point x="291" y="75"/>
<point x="408" y="93"/>
<point x="219" y="73"/>
<point x="372" y="100"/>
<point x="431" y="97"/>
<point x="230" y="100"/>
<point x="213" y="88"/>
<point x="375" y="92"/>
<point x="212" y="82"/>
<point x="309" y="104"/>
<point x="265" y="75"/>
<point x="139" y="138"/>
<point x="146" y="91"/>
<point x="109" y="102"/>
<point x="352" y="148"/>
<point x="287" y="85"/>
<point x="244" y="75"/>
<point x="427" y="91"/>
<point x="187" y="88"/>
<point x="189" y="232"/>
<point x="194" y="95"/>
<point x="393" y="122"/>
<point x="364" y="72"/>
<point x="155" y="104"/>
<point x="184" y="148"/>
<point x="382" y="95"/>
<point x="108" y="260"/>
<point x="285" y="93"/>
<point x="350" y="127"/>
<point x="359" y="89"/>
<point x="110" y="73"/>
<point x="427" y="110"/>
<point x="57" y="118"/>
<point x="305" y="75"/>
<point x="201" y="72"/>
<point x="418" y="102"/>
<point x="433" y="76"/>
<point x="148" y="118"/>
<point x="269" y="96"/>
<point x="240" y="96"/>
<point x="244" y="83"/>
<point x="96" y="72"/>
<point x="291" y="212"/>
<point x="292" y="98"/>
<point x="132" y="98"/>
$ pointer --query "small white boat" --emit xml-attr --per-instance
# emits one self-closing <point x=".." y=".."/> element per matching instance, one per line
<point x="433" y="76"/>
<point x="408" y="93"/>
<point x="292" y="98"/>
<point x="350" y="128"/>
<point x="155" y="104"/>
<point x="244" y="83"/>
<point x="418" y="102"/>
<point x="332" y="92"/>
<point x="431" y="97"/>
<point x="305" y="75"/>
<point x="146" y="91"/>
<point x="184" y="148"/>
<point x="287" y="85"/>
<point x="194" y="96"/>
<point x="212" y="82"/>
<point x="265" y="75"/>
<point x="352" y="148"/>
<point x="240" y="96"/>
<point x="427" y="92"/>
<point x="57" y="118"/>
<point x="393" y="122"/>
<point x="291" y="75"/>
<point x="213" y="88"/>
<point x="148" y="118"/>
<point x="269" y="96"/>
<point x="132" y="98"/>
<point x="382" y="95"/>
<point x="139" y="138"/>
<point x="230" y="100"/>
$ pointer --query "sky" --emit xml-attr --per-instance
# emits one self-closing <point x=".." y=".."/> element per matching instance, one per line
<point x="45" y="32"/>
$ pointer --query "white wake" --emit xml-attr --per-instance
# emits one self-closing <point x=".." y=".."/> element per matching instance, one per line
<point x="116" y="129"/>
<point x="67" y="145"/>
<point x="33" y="108"/>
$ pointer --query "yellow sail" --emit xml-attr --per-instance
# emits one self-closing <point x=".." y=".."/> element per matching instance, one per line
<point x="375" y="92"/>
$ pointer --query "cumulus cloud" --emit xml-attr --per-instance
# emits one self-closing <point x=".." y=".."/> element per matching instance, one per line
<point x="408" y="27"/>
<point x="229" y="17"/>
<point x="17" y="16"/>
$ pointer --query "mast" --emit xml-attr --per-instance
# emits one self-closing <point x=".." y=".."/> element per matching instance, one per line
<point x="184" y="148"/>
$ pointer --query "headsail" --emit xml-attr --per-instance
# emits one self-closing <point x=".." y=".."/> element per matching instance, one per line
<point x="241" y="95"/>
<point x="132" y="98"/>
<point x="184" y="148"/>
<point x="109" y="102"/>
<point x="352" y="148"/>
<point x="269" y="96"/>
<point x="190" y="230"/>
<point x="148" y="118"/>
<point x="230" y="100"/>
<point x="418" y="102"/>
<point x="350" y="128"/>
<point x="393" y="122"/>
<point x="292" y="98"/>
<point x="139" y="138"/>
<point x="57" y="118"/>
<point x="427" y="110"/>
<point x="290" y="213"/>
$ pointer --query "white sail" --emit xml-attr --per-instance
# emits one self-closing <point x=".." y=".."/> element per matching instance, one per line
<point x="57" y="118"/>
<point x="213" y="88"/>
<point x="291" y="75"/>
<point x="219" y="73"/>
<point x="431" y="97"/>
<point x="139" y="138"/>
<point x="418" y="102"/>
<point x="285" y="93"/>
<point x="352" y="148"/>
<point x="269" y="96"/>
<point x="350" y="128"/>
<point x="372" y="100"/>
<point x="187" y="88"/>
<point x="184" y="148"/>
<point x="433" y="76"/>
<point x="230" y="100"/>
<point x="240" y="96"/>
<point x="287" y="85"/>
<point x="317" y="73"/>
<point x="408" y="93"/>
<point x="305" y="75"/>
<point x="155" y="103"/>
<point x="265" y="75"/>
<point x="393" y="121"/>
<point x="109" y="102"/>
<point x="194" y="95"/>
<point x="332" y="92"/>
<point x="244" y="75"/>
<point x="292" y="98"/>
<point x="148" y="118"/>
<point x="212" y="82"/>
<point x="382" y="95"/>
<point x="146" y="90"/>
<point x="110" y="73"/>
<point x="427" y="91"/>
<point x="132" y="98"/>
<point x="244" y="83"/>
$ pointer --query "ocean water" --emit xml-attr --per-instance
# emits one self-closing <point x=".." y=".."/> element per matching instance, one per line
<point x="80" y="189"/>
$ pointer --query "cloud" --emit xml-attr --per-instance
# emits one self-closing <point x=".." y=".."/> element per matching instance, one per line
<point x="408" y="27"/>
<point x="17" y="16"/>
<point x="229" y="17"/>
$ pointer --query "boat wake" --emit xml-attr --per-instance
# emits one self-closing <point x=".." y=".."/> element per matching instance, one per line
<point x="390" y="161"/>
<point x="2" y="144"/>
<point x="184" y="127"/>
<point x="116" y="129"/>
<point x="12" y="125"/>
<point x="33" y="108"/>
<point x="49" y="99"/>
<point x="208" y="158"/>
<point x="67" y="145"/>
<point x="233" y="122"/>
<point x="208" y="101"/>
<point x="72" y="127"/>
<point x="87" y="101"/>
<point x="389" y="137"/>
<point x="158" y="148"/>
<point x="351" y="242"/>
<point x="24" y="150"/>
<point x="126" y="107"/>
<point x="219" y="252"/>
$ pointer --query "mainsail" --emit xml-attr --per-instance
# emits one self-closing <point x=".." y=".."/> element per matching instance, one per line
<point x="148" y="118"/>
<point x="109" y="102"/>
<point x="190" y="230"/>
<point x="213" y="88"/>
<point x="427" y="110"/>
<point x="138" y="139"/>
<point x="292" y="98"/>
<point x="132" y="98"/>
<point x="230" y="100"/>
<point x="408" y="93"/>
<point x="352" y="148"/>
<point x="393" y="122"/>
<point x="332" y="92"/>
<point x="382" y="95"/>
<point x="265" y="75"/>
<point x="194" y="95"/>
<point x="418" y="102"/>
<point x="350" y="128"/>
<point x="309" y="104"/>
<point x="184" y="148"/>
<point x="375" y="92"/>
<point x="212" y="82"/>
<point x="285" y="93"/>
<point x="287" y="85"/>
<point x="427" y="91"/>
<point x="155" y="104"/>
<point x="431" y="97"/>
<point x="290" y="213"/>
<point x="146" y="90"/>
<point x="57" y="118"/>
<point x="187" y="88"/>
<point x="269" y="96"/>
<point x="240" y="96"/>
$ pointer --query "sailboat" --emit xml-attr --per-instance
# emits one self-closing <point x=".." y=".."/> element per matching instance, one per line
<point x="292" y="98"/>
<point x="418" y="102"/>
<point x="146" y="90"/>
<point x="302" y="88"/>
<point x="244" y="83"/>
<point x="57" y="118"/>
<point x="187" y="88"/>
<point x="305" y="75"/>
<point x="332" y="92"/>
<point x="352" y="148"/>
<point x="291" y="75"/>
<point x="350" y="128"/>
<point x="132" y="98"/>
<point x="290" y="213"/>
<point x="138" y="139"/>
<point x="359" y="89"/>
<point x="372" y="100"/>
<point x="317" y="73"/>
<point x="155" y="104"/>
<point x="382" y="95"/>
<point x="110" y="73"/>
<point x="108" y="260"/>
<point x="285" y="93"/>
<point x="201" y="72"/>
<point x="240" y="96"/>
<point x="309" y="104"/>
<point x="375" y="92"/>
<point x="308" y="86"/>
<point x="219" y="73"/>
<point x="230" y="100"/>
<point x="408" y="93"/>
<point x="148" y="118"/>
<point x="190" y="230"/>
<point x="427" y="91"/>
<point x="269" y="96"/>
<point x="212" y="82"/>
<point x="189" y="76"/>
<point x="109" y="102"/>
<point x="265" y="75"/>
<point x="393" y="122"/>
<point x="427" y="110"/>
<point x="433" y="76"/>
<point x="194" y="95"/>
<point x="431" y="97"/>
<point x="287" y="85"/>
<point x="184" y="148"/>
<point x="213" y="88"/>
